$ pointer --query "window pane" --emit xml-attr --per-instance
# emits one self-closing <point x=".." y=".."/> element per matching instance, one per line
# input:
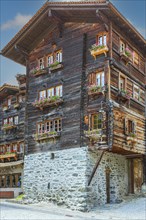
<point x="59" y="91"/>
<point x="98" y="81"/>
<point x="9" y="102"/>
<point x="41" y="63"/>
<point x="104" y="39"/>
<point x="50" y="92"/>
<point x="42" y="94"/>
<point x="16" y="120"/>
<point x="102" y="79"/>
<point x="11" y="120"/>
<point x="122" y="83"/>
<point x="50" y="60"/>
<point x="100" y="40"/>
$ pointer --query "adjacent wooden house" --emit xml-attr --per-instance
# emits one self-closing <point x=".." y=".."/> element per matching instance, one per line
<point x="12" y="112"/>
<point x="85" y="113"/>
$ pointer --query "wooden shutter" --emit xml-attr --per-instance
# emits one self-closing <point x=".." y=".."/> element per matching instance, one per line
<point x="92" y="79"/>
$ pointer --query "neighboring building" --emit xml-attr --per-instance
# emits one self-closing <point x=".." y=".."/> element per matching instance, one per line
<point x="85" y="113"/>
<point x="12" y="113"/>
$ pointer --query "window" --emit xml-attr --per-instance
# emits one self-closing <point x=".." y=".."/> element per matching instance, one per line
<point x="20" y="99"/>
<point x="135" y="58"/>
<point x="16" y="120"/>
<point x="136" y="94"/>
<point x="41" y="128"/>
<point x="50" y="92"/>
<point x="11" y="120"/>
<point x="50" y="59"/>
<point x="41" y="63"/>
<point x="101" y="39"/>
<point x="100" y="79"/>
<point x="21" y="148"/>
<point x="122" y="47"/>
<point x="57" y="125"/>
<point x="9" y="102"/>
<point x="96" y="122"/>
<point x="5" y="121"/>
<point x="8" y="148"/>
<point x="59" y="91"/>
<point x="15" y="147"/>
<point x="59" y="56"/>
<point x="130" y="126"/>
<point x="48" y="126"/>
<point x="122" y="83"/>
<point x="42" y="94"/>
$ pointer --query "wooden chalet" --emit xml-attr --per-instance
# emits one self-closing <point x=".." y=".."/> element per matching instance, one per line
<point x="85" y="93"/>
<point x="12" y="110"/>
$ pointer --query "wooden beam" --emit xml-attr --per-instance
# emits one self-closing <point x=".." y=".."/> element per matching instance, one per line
<point x="95" y="167"/>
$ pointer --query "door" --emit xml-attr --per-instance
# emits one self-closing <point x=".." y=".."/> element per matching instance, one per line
<point x="135" y="173"/>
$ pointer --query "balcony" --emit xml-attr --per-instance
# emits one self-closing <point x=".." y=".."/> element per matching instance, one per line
<point x="96" y="90"/>
<point x="37" y="71"/>
<point x="8" y="127"/>
<point x="56" y="65"/>
<point x="126" y="55"/>
<point x="46" y="136"/>
<point x="47" y="102"/>
<point x="97" y="50"/>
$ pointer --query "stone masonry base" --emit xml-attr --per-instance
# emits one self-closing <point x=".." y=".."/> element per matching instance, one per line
<point x="62" y="177"/>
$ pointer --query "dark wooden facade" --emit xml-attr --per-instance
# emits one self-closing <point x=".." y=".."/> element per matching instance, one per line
<point x="12" y="112"/>
<point x="72" y="29"/>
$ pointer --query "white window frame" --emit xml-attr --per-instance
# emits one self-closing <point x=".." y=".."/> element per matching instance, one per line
<point x="59" y="90"/>
<point x="101" y="77"/>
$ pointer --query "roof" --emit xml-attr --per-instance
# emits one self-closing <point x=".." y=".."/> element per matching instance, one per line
<point x="8" y="89"/>
<point x="48" y="16"/>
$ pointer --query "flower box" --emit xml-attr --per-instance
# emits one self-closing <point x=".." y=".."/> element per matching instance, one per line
<point x="93" y="134"/>
<point x="8" y="127"/>
<point x="5" y="108"/>
<point x="98" y="50"/>
<point x="8" y="156"/>
<point x="131" y="139"/>
<point x="54" y="66"/>
<point x="47" y="102"/>
<point x="124" y="95"/>
<point x="96" y="90"/>
<point x="126" y="55"/>
<point x="45" y="136"/>
<point x="17" y="105"/>
<point x="38" y="72"/>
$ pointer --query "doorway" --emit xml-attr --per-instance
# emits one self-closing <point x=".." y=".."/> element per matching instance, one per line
<point x="135" y="171"/>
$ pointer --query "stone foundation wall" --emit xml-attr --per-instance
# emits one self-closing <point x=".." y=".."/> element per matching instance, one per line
<point x="118" y="167"/>
<point x="64" y="179"/>
<point x="61" y="179"/>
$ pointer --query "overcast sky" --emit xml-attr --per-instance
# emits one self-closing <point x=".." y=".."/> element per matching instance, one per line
<point x="15" y="13"/>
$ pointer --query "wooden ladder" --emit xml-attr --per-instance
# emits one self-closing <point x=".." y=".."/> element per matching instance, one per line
<point x="95" y="167"/>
